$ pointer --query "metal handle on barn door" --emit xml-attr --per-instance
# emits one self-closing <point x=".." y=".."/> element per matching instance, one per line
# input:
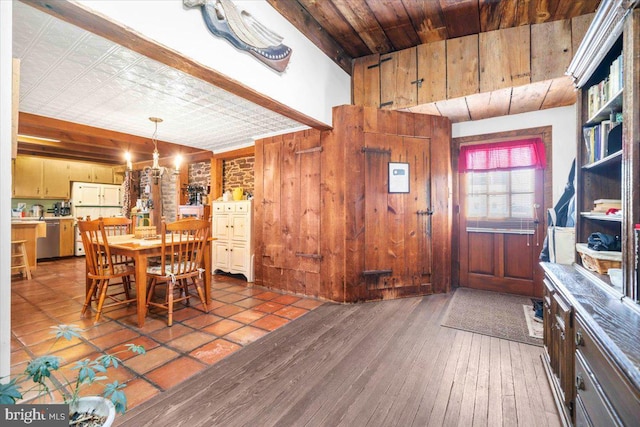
<point x="427" y="212"/>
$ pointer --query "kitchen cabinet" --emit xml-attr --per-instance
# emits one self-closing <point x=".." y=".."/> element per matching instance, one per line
<point x="36" y="177"/>
<point x="67" y="238"/>
<point x="102" y="174"/>
<point x="88" y="172"/>
<point x="55" y="179"/>
<point x="27" y="178"/>
<point x="232" y="251"/>
<point x="93" y="194"/>
<point x="79" y="171"/>
<point x="46" y="178"/>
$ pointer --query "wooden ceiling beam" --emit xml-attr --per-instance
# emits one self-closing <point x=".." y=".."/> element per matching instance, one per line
<point x="87" y="140"/>
<point x="314" y="29"/>
<point x="48" y="151"/>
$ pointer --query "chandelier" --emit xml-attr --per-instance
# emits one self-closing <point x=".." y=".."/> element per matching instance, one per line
<point x="156" y="170"/>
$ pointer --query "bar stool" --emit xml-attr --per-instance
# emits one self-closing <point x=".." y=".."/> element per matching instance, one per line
<point x="19" y="260"/>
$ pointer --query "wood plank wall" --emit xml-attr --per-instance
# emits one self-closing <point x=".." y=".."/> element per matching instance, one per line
<point x="503" y="63"/>
<point x="313" y="235"/>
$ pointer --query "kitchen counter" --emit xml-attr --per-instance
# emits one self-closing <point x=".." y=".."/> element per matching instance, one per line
<point x="36" y="219"/>
<point x="29" y="229"/>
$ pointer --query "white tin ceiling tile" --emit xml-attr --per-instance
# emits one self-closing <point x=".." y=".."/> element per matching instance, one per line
<point x="77" y="76"/>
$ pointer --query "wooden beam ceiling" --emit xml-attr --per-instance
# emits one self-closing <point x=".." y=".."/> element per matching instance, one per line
<point x="87" y="143"/>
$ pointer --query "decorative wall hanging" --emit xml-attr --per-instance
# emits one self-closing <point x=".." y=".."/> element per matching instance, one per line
<point x="242" y="30"/>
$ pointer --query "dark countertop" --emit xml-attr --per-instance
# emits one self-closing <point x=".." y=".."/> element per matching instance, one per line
<point x="615" y="321"/>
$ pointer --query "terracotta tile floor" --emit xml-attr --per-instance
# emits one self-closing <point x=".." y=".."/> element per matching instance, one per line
<point x="239" y="315"/>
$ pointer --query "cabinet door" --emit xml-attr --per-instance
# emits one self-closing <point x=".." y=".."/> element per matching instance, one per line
<point x="547" y="316"/>
<point x="87" y="194"/>
<point x="102" y="174"/>
<point x="221" y="227"/>
<point x="111" y="195"/>
<point x="66" y="238"/>
<point x="398" y="79"/>
<point x="366" y="81"/>
<point x="221" y="255"/>
<point x="55" y="179"/>
<point x="238" y="257"/>
<point x="563" y="336"/>
<point x="79" y="171"/>
<point x="27" y="179"/>
<point x="118" y="178"/>
<point x="239" y="227"/>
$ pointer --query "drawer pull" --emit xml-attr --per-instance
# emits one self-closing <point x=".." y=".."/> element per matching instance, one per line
<point x="579" y="382"/>
<point x="579" y="339"/>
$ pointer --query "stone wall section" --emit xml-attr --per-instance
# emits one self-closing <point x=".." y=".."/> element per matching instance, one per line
<point x="200" y="173"/>
<point x="239" y="173"/>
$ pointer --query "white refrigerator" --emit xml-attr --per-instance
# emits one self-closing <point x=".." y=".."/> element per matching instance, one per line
<point x="94" y="200"/>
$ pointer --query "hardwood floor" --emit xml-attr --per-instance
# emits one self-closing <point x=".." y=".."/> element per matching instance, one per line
<point x="375" y="364"/>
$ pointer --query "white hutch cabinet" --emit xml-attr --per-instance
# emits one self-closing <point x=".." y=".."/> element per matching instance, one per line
<point x="233" y="247"/>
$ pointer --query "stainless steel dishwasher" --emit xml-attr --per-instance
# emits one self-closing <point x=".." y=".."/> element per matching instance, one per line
<point x="49" y="247"/>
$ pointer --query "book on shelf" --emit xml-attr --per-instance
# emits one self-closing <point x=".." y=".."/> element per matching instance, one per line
<point x="603" y="205"/>
<point x="597" y="140"/>
<point x="599" y="94"/>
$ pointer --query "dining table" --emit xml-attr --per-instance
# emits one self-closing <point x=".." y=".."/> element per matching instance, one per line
<point x="140" y="250"/>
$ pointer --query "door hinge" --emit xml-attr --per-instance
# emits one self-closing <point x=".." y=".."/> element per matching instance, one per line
<point x="375" y="150"/>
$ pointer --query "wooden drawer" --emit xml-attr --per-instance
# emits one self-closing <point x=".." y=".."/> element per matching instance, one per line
<point x="598" y="411"/>
<point x="242" y="207"/>
<point x="218" y="207"/>
<point x="229" y="207"/>
<point x="615" y="387"/>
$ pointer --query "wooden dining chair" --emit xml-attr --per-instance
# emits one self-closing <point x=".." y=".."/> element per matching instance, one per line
<point x="102" y="271"/>
<point x="181" y="264"/>
<point x="118" y="226"/>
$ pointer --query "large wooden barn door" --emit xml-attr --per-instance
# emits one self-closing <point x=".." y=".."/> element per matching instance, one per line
<point x="397" y="225"/>
<point x="290" y="212"/>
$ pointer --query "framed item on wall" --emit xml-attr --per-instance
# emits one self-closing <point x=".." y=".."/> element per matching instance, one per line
<point x="398" y="177"/>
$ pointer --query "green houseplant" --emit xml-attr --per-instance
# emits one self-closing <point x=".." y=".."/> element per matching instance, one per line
<point x="89" y="371"/>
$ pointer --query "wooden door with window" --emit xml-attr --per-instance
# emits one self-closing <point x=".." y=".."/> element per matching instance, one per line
<point x="501" y="229"/>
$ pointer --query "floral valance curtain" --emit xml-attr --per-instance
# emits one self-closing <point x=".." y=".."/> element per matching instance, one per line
<point x="508" y="155"/>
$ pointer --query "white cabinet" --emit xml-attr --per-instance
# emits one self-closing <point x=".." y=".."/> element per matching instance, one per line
<point x="92" y="194"/>
<point x="232" y="251"/>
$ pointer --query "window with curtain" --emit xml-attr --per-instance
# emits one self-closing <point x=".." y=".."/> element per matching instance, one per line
<point x="499" y="182"/>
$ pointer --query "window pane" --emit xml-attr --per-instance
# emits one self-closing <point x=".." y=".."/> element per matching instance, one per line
<point x="522" y="181"/>
<point x="498" y="207"/>
<point x="477" y="206"/>
<point x="477" y="183"/>
<point x="522" y="205"/>
<point x="498" y="182"/>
